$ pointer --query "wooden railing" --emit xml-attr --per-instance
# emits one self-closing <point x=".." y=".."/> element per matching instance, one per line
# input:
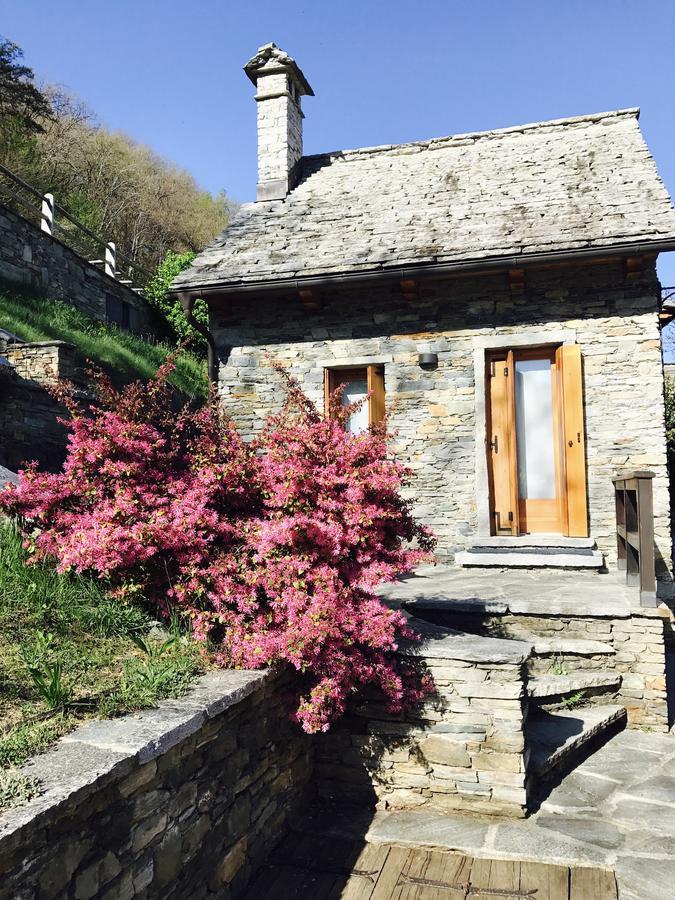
<point x="635" y="532"/>
<point x="56" y="221"/>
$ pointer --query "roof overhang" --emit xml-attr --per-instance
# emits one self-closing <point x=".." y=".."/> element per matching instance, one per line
<point x="433" y="270"/>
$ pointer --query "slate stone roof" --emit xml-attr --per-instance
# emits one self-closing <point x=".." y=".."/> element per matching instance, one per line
<point x="570" y="184"/>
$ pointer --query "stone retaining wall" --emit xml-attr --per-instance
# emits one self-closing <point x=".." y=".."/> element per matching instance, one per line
<point x="32" y="259"/>
<point x="29" y="427"/>
<point x="464" y="749"/>
<point x="183" y="801"/>
<point x="43" y="361"/>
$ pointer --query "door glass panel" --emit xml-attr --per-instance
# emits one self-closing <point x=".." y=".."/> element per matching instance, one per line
<point x="534" y="430"/>
<point x="354" y="391"/>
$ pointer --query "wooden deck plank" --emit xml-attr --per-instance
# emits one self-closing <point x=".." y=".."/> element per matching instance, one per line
<point x="549" y="881"/>
<point x="600" y="884"/>
<point x="435" y="875"/>
<point x="388" y="885"/>
<point x="367" y="867"/>
<point x="494" y="874"/>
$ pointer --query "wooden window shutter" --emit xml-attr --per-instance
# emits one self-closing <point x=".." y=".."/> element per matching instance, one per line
<point x="327" y="390"/>
<point x="376" y="387"/>
<point x="568" y="363"/>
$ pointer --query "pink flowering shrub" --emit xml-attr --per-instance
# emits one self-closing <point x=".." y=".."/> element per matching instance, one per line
<point x="273" y="549"/>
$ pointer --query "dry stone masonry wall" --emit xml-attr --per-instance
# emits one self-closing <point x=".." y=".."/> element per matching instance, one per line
<point x="32" y="259"/>
<point x="434" y="413"/>
<point x="183" y="801"/>
<point x="463" y="749"/>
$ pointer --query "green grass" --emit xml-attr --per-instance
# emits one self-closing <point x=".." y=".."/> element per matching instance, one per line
<point x="63" y="631"/>
<point x="39" y="319"/>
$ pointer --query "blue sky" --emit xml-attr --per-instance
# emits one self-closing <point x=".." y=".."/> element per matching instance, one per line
<point x="169" y="73"/>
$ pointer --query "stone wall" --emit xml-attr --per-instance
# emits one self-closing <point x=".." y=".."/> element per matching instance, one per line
<point x="463" y="749"/>
<point x="29" y="427"/>
<point x="32" y="259"/>
<point x="435" y="413"/>
<point x="183" y="801"/>
<point x="43" y="361"/>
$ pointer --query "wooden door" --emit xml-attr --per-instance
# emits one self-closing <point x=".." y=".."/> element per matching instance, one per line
<point x="536" y="446"/>
<point x="502" y="446"/>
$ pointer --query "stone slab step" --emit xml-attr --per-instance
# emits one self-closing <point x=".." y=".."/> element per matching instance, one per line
<point x="555" y="738"/>
<point x="562" y="685"/>
<point x="531" y="557"/>
<point x="535" y="540"/>
<point x="567" y="646"/>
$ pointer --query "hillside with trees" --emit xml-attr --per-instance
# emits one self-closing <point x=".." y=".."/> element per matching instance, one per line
<point x="115" y="186"/>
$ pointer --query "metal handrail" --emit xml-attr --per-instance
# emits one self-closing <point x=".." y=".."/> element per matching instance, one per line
<point x="119" y="254"/>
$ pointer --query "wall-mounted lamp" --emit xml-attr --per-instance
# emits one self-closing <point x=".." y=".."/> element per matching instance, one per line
<point x="427" y="360"/>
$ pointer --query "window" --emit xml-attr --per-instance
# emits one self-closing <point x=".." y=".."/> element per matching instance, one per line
<point x="358" y="381"/>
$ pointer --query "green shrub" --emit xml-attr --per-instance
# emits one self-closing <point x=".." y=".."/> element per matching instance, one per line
<point x="156" y="292"/>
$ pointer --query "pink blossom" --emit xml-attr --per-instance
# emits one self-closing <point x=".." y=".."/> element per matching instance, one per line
<point x="274" y="549"/>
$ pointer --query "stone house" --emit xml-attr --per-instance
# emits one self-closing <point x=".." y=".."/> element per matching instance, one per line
<point x="495" y="291"/>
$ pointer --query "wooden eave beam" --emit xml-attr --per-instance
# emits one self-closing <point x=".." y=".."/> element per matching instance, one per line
<point x="516" y="280"/>
<point x="310" y="298"/>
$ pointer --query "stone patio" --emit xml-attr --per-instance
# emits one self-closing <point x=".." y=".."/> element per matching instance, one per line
<point x="616" y="810"/>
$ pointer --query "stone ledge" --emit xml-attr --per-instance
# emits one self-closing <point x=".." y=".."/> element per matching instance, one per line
<point x="444" y="643"/>
<point x="83" y="759"/>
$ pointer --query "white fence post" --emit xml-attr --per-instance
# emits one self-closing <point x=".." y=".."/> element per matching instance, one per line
<point x="47" y="214"/>
<point x="109" y="263"/>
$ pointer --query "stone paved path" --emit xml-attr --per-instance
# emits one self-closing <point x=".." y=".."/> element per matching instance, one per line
<point x="616" y="809"/>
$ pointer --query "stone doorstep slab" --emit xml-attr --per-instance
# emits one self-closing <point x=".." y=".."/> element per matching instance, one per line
<point x="82" y="759"/>
<point x="542" y="592"/>
<point x="559" y="685"/>
<point x="526" y="559"/>
<point x="535" y="540"/>
<point x="554" y="737"/>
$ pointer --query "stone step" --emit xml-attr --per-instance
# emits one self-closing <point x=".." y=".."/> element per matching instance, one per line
<point x="530" y="557"/>
<point x="568" y="646"/>
<point x="557" y="738"/>
<point x="549" y="686"/>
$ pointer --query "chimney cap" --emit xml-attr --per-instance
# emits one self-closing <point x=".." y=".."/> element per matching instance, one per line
<point x="270" y="59"/>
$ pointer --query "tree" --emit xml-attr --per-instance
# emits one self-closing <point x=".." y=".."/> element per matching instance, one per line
<point x="20" y="99"/>
<point x="156" y="291"/>
<point x="23" y="108"/>
<point x="273" y="550"/>
<point x="118" y="188"/>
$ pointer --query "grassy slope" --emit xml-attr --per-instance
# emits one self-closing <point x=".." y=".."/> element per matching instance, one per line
<point x="39" y="319"/>
<point x="48" y="619"/>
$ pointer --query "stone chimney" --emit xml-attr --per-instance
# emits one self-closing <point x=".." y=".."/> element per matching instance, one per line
<point x="280" y="85"/>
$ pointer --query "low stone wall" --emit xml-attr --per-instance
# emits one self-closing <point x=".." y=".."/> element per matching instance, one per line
<point x="183" y="801"/>
<point x="464" y="749"/>
<point x="43" y="361"/>
<point x="29" y="426"/>
<point x="32" y="259"/>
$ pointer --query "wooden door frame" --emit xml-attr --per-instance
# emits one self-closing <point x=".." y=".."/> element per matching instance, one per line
<point x="513" y="355"/>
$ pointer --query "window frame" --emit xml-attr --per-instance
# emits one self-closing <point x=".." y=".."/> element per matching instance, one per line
<point x="335" y="376"/>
